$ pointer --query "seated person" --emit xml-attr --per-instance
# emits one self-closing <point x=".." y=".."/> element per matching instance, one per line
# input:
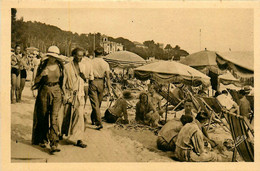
<point x="226" y="101"/>
<point x="168" y="134"/>
<point x="200" y="119"/>
<point x="178" y="94"/>
<point x="190" y="144"/>
<point x="188" y="110"/>
<point x="119" y="109"/>
<point x="155" y="99"/>
<point x="146" y="112"/>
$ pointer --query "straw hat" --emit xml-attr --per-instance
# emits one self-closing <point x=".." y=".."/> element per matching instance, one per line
<point x="53" y="51"/>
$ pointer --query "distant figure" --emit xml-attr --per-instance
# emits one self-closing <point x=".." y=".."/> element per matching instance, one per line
<point x="244" y="105"/>
<point x="48" y="81"/>
<point x="35" y="62"/>
<point x="119" y="109"/>
<point x="15" y="74"/>
<point x="101" y="72"/>
<point x="24" y="66"/>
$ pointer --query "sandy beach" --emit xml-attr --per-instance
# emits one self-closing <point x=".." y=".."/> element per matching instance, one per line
<point x="114" y="143"/>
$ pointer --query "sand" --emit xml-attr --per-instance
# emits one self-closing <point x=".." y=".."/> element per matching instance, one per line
<point x="103" y="146"/>
<point x="114" y="143"/>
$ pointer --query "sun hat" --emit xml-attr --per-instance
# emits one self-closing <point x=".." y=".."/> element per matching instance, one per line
<point x="127" y="95"/>
<point x="53" y="51"/>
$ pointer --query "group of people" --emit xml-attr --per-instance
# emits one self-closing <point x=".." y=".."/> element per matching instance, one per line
<point x="63" y="89"/>
<point x="21" y="63"/>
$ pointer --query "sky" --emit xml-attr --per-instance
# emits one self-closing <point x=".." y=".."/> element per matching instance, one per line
<point x="221" y="29"/>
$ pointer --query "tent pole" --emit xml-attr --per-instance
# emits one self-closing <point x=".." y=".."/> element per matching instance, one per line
<point x="167" y="102"/>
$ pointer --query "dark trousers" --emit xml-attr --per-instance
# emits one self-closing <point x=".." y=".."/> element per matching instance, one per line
<point x="110" y="118"/>
<point x="96" y="89"/>
<point x="48" y="103"/>
<point x="163" y="145"/>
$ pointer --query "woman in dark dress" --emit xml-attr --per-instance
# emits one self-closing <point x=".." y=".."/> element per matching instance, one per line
<point x="48" y="81"/>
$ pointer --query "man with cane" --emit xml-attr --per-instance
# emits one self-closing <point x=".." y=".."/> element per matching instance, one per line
<point x="73" y="85"/>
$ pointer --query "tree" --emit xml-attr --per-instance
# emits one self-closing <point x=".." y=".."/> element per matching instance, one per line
<point x="168" y="47"/>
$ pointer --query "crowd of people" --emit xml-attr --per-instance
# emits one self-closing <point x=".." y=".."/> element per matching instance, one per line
<point x="64" y="87"/>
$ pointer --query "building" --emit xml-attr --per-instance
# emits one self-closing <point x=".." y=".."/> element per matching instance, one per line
<point x="109" y="46"/>
<point x="140" y="45"/>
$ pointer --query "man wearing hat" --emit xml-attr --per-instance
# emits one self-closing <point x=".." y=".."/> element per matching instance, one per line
<point x="244" y="105"/>
<point x="119" y="109"/>
<point x="101" y="73"/>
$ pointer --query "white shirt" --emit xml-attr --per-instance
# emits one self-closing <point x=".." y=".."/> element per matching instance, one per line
<point x="86" y="68"/>
<point x="226" y="101"/>
<point x="99" y="67"/>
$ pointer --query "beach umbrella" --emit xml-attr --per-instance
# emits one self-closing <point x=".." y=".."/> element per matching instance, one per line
<point x="240" y="64"/>
<point x="124" y="59"/>
<point x="169" y="72"/>
<point x="202" y="58"/>
<point x="228" y="78"/>
<point x="203" y="61"/>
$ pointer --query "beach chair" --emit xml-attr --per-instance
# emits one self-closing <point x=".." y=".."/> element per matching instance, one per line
<point x="239" y="126"/>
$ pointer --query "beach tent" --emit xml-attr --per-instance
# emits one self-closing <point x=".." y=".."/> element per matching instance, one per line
<point x="228" y="78"/>
<point x="124" y="59"/>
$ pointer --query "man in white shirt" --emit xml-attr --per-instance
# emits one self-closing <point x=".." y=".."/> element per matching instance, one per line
<point x="227" y="102"/>
<point x="101" y="73"/>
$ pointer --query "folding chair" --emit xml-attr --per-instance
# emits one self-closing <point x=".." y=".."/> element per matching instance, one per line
<point x="239" y="126"/>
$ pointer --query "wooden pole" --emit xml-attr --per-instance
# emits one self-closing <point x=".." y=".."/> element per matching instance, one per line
<point x="167" y="102"/>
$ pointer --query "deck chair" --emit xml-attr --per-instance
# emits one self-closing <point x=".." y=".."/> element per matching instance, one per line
<point x="238" y="127"/>
<point x="171" y="99"/>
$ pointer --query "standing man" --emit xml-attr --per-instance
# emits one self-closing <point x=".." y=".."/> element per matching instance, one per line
<point x="73" y="85"/>
<point x="96" y="87"/>
<point x="87" y="70"/>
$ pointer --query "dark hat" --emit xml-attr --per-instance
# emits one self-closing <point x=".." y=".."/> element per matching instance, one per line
<point x="99" y="51"/>
<point x="247" y="89"/>
<point x="202" y="115"/>
<point x="127" y="95"/>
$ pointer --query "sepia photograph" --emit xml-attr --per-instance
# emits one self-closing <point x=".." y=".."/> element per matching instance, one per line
<point x="124" y="85"/>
